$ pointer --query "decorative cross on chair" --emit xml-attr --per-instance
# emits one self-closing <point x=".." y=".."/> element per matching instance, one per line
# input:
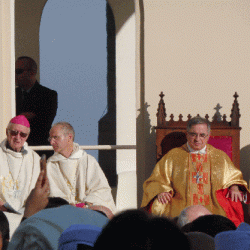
<point x="224" y="135"/>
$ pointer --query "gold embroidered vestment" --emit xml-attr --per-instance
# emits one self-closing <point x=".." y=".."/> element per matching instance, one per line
<point x="192" y="179"/>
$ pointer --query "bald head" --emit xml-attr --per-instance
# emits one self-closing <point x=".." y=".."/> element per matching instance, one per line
<point x="191" y="213"/>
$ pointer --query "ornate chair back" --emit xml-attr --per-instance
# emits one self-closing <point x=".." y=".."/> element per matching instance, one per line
<point x="224" y="135"/>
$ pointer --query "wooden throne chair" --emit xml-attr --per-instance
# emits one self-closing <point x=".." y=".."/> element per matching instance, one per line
<point x="225" y="135"/>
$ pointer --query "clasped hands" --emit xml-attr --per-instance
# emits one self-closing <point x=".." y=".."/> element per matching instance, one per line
<point x="233" y="192"/>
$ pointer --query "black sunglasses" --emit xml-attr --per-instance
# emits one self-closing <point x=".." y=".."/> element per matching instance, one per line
<point x="15" y="133"/>
<point x="20" y="71"/>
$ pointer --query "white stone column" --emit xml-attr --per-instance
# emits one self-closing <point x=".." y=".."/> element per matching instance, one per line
<point x="126" y="115"/>
<point x="7" y="65"/>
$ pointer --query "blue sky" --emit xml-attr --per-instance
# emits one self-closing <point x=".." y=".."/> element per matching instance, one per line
<point x="73" y="61"/>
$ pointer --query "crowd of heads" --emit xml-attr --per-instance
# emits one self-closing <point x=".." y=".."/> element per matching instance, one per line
<point x="197" y="228"/>
<point x="137" y="229"/>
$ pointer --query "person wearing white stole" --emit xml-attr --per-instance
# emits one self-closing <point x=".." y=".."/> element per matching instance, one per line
<point x="19" y="166"/>
<point x="73" y="174"/>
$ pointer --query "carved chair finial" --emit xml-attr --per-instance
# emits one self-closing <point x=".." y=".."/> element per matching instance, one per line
<point x="217" y="116"/>
<point x="161" y="112"/>
<point x="235" y="112"/>
<point x="236" y="96"/>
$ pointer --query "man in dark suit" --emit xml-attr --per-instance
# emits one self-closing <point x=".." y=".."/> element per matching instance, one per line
<point x="36" y="102"/>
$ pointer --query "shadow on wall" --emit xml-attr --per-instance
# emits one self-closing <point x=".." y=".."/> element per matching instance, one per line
<point x="146" y="149"/>
<point x="124" y="10"/>
<point x="245" y="169"/>
<point x="150" y="152"/>
<point x="150" y="145"/>
<point x="107" y="124"/>
<point x="118" y="12"/>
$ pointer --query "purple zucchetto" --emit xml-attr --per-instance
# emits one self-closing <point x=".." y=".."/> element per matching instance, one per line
<point x="20" y="119"/>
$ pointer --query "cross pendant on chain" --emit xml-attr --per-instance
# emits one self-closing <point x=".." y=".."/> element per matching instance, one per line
<point x="72" y="195"/>
<point x="16" y="192"/>
<point x="198" y="177"/>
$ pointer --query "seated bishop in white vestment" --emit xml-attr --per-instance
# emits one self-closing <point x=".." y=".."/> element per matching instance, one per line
<point x="19" y="166"/>
<point x="79" y="179"/>
<point x="73" y="174"/>
<point x="18" y="175"/>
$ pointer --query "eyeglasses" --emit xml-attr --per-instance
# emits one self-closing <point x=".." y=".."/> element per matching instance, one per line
<point x="15" y="133"/>
<point x="193" y="135"/>
<point x="20" y="71"/>
<point x="56" y="138"/>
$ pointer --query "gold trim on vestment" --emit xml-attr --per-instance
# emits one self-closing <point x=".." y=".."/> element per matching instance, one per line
<point x="172" y="174"/>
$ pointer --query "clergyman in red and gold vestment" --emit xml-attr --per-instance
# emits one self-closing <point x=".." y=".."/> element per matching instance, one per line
<point x="196" y="174"/>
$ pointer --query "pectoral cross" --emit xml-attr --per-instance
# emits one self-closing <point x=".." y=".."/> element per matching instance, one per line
<point x="198" y="177"/>
<point x="15" y="193"/>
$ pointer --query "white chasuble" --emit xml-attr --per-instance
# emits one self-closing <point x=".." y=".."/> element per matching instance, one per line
<point x="18" y="175"/>
<point x="79" y="179"/>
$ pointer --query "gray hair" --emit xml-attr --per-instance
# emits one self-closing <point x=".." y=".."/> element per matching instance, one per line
<point x="198" y="120"/>
<point x="10" y="124"/>
<point x="183" y="218"/>
<point x="191" y="213"/>
<point x="66" y="127"/>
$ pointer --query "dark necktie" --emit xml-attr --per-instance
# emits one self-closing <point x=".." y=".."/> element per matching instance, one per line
<point x="24" y="95"/>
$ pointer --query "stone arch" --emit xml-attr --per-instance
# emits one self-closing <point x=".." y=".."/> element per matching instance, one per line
<point x="27" y="23"/>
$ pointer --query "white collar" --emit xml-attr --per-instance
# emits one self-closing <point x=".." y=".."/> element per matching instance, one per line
<point x="24" y="150"/>
<point x="76" y="154"/>
<point x="192" y="151"/>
